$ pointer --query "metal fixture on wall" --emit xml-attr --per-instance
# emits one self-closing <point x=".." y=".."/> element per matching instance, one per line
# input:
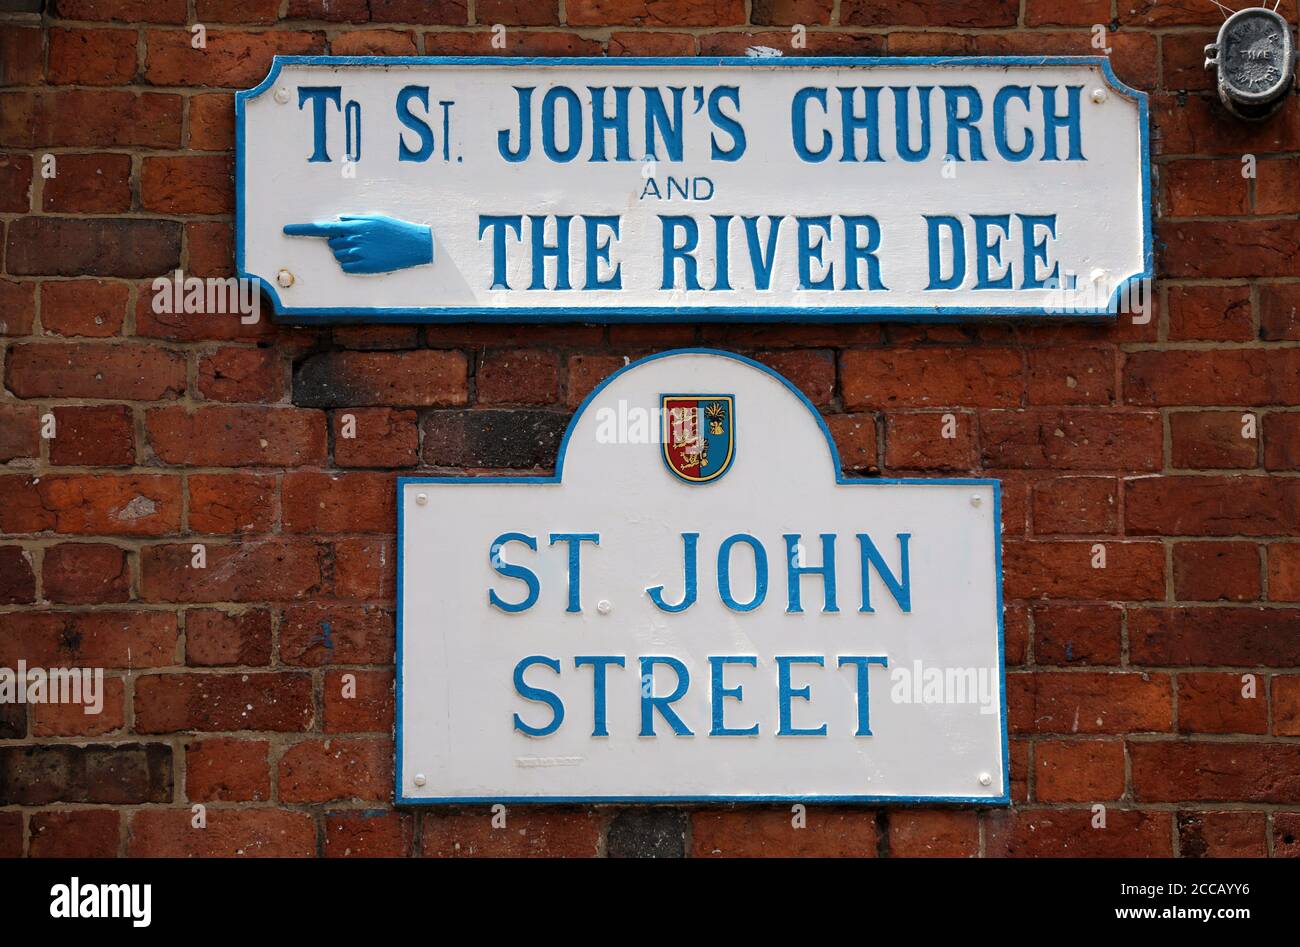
<point x="1255" y="58"/>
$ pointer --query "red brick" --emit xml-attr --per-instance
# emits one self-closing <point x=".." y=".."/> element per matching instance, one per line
<point x="1075" y="506"/>
<point x="94" y="370"/>
<point x="273" y="570"/>
<point x="237" y="437"/>
<point x="340" y="11"/>
<point x="1205" y="188"/>
<point x="337" y="769"/>
<point x="1286" y="705"/>
<point x="91" y="504"/>
<point x="1210" y="313"/>
<point x="1168" y="13"/>
<point x="383" y="437"/>
<point x="227" y="770"/>
<point x="369" y="833"/>
<point x="198" y="184"/>
<point x="915" y="440"/>
<point x="434" y="12"/>
<point x="83" y="307"/>
<point x="1222" y="834"/>
<point x="1282" y="441"/>
<point x="518" y="377"/>
<point x="655" y="12"/>
<point x="241" y="374"/>
<point x="1089" y="702"/>
<point x="374" y="43"/>
<point x="757" y="833"/>
<point x="1212" y="506"/>
<point x="71" y="719"/>
<point x="921" y="833"/>
<point x="211" y="122"/>
<point x="393" y="379"/>
<point x="1072" y="833"/>
<point x="20" y="431"/>
<point x="855" y="439"/>
<point x="1077" y="634"/>
<point x="169" y="833"/>
<point x="364" y="568"/>
<point x="518" y="43"/>
<point x="91" y="56"/>
<point x="1209" y="572"/>
<point x="124" y="11"/>
<point x="117" y="639"/>
<point x="1181" y="771"/>
<point x="11" y="834"/>
<point x="237" y="11"/>
<point x="651" y="44"/>
<point x="1229" y="637"/>
<point x="588" y="371"/>
<point x="1061" y="569"/>
<point x="1015" y="633"/>
<point x="100" y="246"/>
<point x="17" y="577"/>
<point x="1226" y="250"/>
<point x="75" y="833"/>
<point x="546" y="832"/>
<point x="1078" y="439"/>
<point x="1213" y="440"/>
<point x="21" y="54"/>
<point x="85" y="574"/>
<point x="931" y="377"/>
<point x="518" y="12"/>
<point x="1275" y="191"/>
<point x="93" y="436"/>
<point x="1286" y="835"/>
<point x="15" y="183"/>
<point x="1284" y="572"/>
<point x="76" y="118"/>
<point x="813" y="373"/>
<point x="213" y="703"/>
<point x="1078" y="770"/>
<point x="339" y="503"/>
<point x="231" y="59"/>
<point x="1055" y="13"/>
<point x="222" y="504"/>
<point x="1071" y="376"/>
<point x="210" y="251"/>
<point x="17" y="307"/>
<point x="1211" y="702"/>
<point x="215" y="638"/>
<point x="951" y="13"/>
<point x="368" y="710"/>
<point x="1279" y="311"/>
<point x="315" y="635"/>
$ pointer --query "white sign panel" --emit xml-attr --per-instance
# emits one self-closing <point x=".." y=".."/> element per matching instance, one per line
<point x="699" y="607"/>
<point x="610" y="190"/>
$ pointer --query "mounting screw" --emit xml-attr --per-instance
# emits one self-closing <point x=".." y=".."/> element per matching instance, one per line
<point x="282" y="95"/>
<point x="284" y="278"/>
<point x="1098" y="96"/>
<point x="421" y="499"/>
<point x="985" y="779"/>
<point x="975" y="501"/>
<point x="419" y="779"/>
<point x="604" y="607"/>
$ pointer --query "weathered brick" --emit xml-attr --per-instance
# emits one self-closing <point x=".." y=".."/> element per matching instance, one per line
<point x="125" y="11"/>
<point x="500" y="438"/>
<point x="61" y="246"/>
<point x="1071" y="833"/>
<point x="1089" y="702"/>
<point x="518" y="377"/>
<point x="94" y="370"/>
<point x="71" y="720"/>
<point x="339" y="503"/>
<point x="17" y="307"/>
<point x="1282" y="441"/>
<point x="83" y="307"/>
<point x="75" y="833"/>
<point x="214" y="703"/>
<point x="108" y="639"/>
<point x="215" y="638"/>
<point x="754" y="833"/>
<point x="1279" y="311"/>
<point x="17" y="578"/>
<point x="241" y="374"/>
<point x="855" y="439"/>
<point x="314" y="635"/>
<point x="1284" y="572"/>
<point x="227" y="770"/>
<point x="85" y="574"/>
<point x="954" y="13"/>
<point x="1077" y="635"/>
<point x="931" y="377"/>
<point x="230" y="58"/>
<point x="1069" y="570"/>
<point x="1212" y="702"/>
<point x="112" y="774"/>
<point x="1075" y="505"/>
<point x="1231" y="637"/>
<point x="1071" y="375"/>
<point x="219" y="436"/>
<point x="1180" y="771"/>
<point x="1078" y="770"/>
<point x="368" y="833"/>
<point x="93" y="436"/>
<point x="928" y="833"/>
<point x="528" y="831"/>
<point x="227" y="503"/>
<point x="273" y="570"/>
<point x="919" y="440"/>
<point x="337" y="769"/>
<point x="1211" y="313"/>
<point x="380" y="437"/>
<point x="1216" y="571"/>
<point x="91" y="504"/>
<point x="188" y="184"/>
<point x="361" y="705"/>
<point x="20" y="431"/>
<point x="77" y="118"/>
<point x="1222" y="834"/>
<point x="394" y="379"/>
<point x="1207" y="440"/>
<point x="169" y="833"/>
<point x="1212" y="506"/>
<point x="1078" y="439"/>
<point x="211" y="122"/>
<point x="91" y="56"/>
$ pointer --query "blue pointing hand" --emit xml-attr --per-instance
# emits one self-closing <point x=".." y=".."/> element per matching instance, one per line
<point x="371" y="243"/>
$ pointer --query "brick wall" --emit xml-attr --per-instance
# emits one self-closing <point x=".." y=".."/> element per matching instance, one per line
<point x="1125" y="684"/>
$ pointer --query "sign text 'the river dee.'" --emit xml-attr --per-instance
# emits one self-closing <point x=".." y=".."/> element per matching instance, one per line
<point x="692" y="190"/>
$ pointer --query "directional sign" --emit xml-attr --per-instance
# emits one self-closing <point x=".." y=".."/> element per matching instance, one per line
<point x="606" y="190"/>
<point x="698" y="606"/>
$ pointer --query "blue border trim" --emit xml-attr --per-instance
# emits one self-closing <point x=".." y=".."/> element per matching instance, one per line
<point x="669" y="314"/>
<point x="402" y="482"/>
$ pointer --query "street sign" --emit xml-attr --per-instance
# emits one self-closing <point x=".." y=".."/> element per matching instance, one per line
<point x="608" y="190"/>
<point x="699" y="606"/>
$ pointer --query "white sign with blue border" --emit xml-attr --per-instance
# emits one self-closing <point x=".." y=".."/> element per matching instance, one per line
<point x="698" y="606"/>
<point x="608" y="190"/>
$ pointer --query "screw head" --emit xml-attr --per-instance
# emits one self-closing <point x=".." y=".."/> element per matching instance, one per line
<point x="604" y="606"/>
<point x="986" y="779"/>
<point x="1098" y="96"/>
<point x="284" y="278"/>
<point x="419" y="779"/>
<point x="975" y="501"/>
<point x="282" y="95"/>
<point x="421" y="499"/>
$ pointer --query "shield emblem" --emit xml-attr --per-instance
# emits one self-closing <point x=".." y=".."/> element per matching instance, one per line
<point x="699" y="435"/>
